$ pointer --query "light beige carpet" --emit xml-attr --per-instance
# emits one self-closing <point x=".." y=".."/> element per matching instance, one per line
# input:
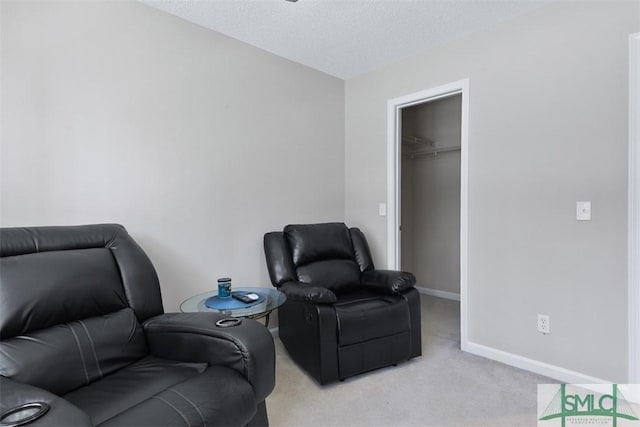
<point x="444" y="387"/>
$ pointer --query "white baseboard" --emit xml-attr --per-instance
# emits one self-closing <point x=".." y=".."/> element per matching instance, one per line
<point x="541" y="368"/>
<point x="438" y="293"/>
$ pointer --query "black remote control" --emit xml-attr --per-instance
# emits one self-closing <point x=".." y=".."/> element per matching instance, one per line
<point x="245" y="298"/>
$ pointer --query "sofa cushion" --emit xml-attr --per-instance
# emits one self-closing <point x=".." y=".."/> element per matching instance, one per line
<point x="338" y="275"/>
<point x="131" y="385"/>
<point x="218" y="397"/>
<point x="67" y="356"/>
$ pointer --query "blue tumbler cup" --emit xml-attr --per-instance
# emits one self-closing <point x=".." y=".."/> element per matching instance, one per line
<point x="224" y="287"/>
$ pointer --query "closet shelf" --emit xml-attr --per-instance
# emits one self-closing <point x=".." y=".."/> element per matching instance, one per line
<point x="417" y="141"/>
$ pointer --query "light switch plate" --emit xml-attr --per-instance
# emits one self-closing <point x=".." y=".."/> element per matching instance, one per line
<point x="382" y="209"/>
<point x="583" y="211"/>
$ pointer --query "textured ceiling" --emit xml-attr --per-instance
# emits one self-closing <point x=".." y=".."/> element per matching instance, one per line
<point x="345" y="38"/>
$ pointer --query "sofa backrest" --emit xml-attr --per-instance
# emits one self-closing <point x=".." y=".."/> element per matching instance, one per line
<point x="71" y="303"/>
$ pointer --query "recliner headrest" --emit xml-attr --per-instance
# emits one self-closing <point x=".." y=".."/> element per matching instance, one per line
<point x="59" y="274"/>
<point x="315" y="242"/>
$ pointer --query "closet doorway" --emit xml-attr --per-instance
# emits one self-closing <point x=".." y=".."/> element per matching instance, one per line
<point x="427" y="191"/>
<point x="430" y="195"/>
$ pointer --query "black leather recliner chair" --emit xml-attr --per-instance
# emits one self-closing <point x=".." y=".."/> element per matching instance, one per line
<point x="342" y="317"/>
<point x="82" y="329"/>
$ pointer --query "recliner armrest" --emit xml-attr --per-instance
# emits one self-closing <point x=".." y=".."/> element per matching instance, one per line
<point x="194" y="337"/>
<point x="304" y="292"/>
<point x="389" y="281"/>
<point x="61" y="412"/>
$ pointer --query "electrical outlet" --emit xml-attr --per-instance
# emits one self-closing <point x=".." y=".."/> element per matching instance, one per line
<point x="583" y="211"/>
<point x="544" y="324"/>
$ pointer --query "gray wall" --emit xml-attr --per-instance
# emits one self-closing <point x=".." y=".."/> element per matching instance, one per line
<point x="548" y="127"/>
<point x="197" y="143"/>
<point x="431" y="195"/>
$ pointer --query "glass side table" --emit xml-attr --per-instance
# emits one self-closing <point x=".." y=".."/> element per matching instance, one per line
<point x="273" y="299"/>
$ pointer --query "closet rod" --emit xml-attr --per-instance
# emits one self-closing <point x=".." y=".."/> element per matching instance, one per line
<point x="433" y="152"/>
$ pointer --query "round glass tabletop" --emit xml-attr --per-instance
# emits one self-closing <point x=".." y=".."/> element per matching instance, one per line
<point x="273" y="299"/>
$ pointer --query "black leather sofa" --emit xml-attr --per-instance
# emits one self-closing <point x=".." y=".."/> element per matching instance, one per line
<point x="342" y="317"/>
<point x="82" y="329"/>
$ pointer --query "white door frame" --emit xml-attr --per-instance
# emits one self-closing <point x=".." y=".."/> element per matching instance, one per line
<point x="633" y="259"/>
<point x="394" y="146"/>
